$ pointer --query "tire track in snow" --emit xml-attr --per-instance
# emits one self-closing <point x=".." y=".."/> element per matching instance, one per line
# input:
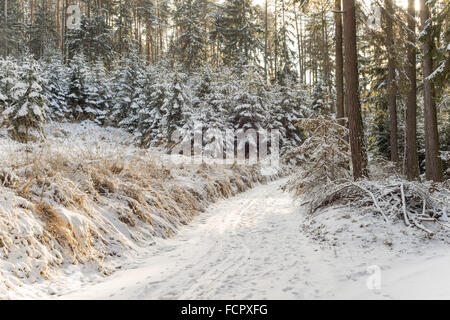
<point x="217" y="274"/>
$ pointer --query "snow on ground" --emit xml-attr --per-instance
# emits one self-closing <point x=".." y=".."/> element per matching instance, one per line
<point x="86" y="199"/>
<point x="259" y="245"/>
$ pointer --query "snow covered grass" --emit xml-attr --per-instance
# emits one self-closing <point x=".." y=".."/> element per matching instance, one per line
<point x="87" y="194"/>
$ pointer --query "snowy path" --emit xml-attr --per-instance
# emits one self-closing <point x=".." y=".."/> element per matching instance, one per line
<point x="247" y="247"/>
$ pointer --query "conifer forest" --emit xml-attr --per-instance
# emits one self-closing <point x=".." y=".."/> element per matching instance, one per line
<point x="224" y="149"/>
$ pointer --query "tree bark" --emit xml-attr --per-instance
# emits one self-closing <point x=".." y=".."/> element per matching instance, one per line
<point x="412" y="162"/>
<point x="297" y="30"/>
<point x="359" y="157"/>
<point x="58" y="21"/>
<point x="266" y="41"/>
<point x="392" y="89"/>
<point x="5" y="40"/>
<point x="432" y="159"/>
<point x="31" y="11"/>
<point x="339" y="62"/>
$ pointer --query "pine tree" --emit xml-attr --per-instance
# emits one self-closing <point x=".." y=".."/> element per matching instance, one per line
<point x="126" y="88"/>
<point x="288" y="107"/>
<point x="318" y="97"/>
<point x="42" y="32"/>
<point x="340" y="112"/>
<point x="8" y="78"/>
<point x="153" y="123"/>
<point x="412" y="161"/>
<point x="123" y="39"/>
<point x="392" y="90"/>
<point x="98" y="93"/>
<point x="357" y="143"/>
<point x="57" y="87"/>
<point x="433" y="160"/>
<point x="178" y="115"/>
<point x="93" y="39"/>
<point x="249" y="111"/>
<point x="191" y="43"/>
<point x="11" y="30"/>
<point x="27" y="108"/>
<point x="237" y="32"/>
<point x="212" y="104"/>
<point x="77" y="94"/>
<point x="284" y="41"/>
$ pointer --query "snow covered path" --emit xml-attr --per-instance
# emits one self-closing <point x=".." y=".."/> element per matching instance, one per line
<point x="252" y="247"/>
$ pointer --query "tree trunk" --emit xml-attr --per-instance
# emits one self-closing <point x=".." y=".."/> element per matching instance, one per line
<point x="266" y="41"/>
<point x="359" y="157"/>
<point x="31" y="11"/>
<point x="325" y="56"/>
<point x="432" y="159"/>
<point x="6" y="52"/>
<point x="58" y="21"/>
<point x="339" y="62"/>
<point x="275" y="28"/>
<point x="412" y="162"/>
<point x="392" y="90"/>
<point x="302" y="50"/>
<point x="298" y="48"/>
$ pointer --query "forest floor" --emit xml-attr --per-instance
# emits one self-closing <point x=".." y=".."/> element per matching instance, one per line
<point x="259" y="244"/>
<point x="253" y="246"/>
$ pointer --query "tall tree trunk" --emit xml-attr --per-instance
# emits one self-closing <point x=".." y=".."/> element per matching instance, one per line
<point x="339" y="62"/>
<point x="147" y="40"/>
<point x="301" y="51"/>
<point x="359" y="157"/>
<point x="58" y="21"/>
<point x="432" y="159"/>
<point x="6" y="27"/>
<point x="298" y="46"/>
<point x="325" y="56"/>
<point x="275" y="30"/>
<point x="64" y="31"/>
<point x="412" y="162"/>
<point x="392" y="90"/>
<point x="31" y="11"/>
<point x="266" y="40"/>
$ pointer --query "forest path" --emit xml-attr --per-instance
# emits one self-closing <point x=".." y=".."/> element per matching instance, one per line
<point x="247" y="247"/>
<point x="252" y="247"/>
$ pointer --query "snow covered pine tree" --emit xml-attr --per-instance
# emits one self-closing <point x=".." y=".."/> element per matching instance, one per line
<point x="26" y="111"/>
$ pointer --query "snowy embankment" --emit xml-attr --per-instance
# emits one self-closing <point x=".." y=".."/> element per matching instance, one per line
<point x="253" y="246"/>
<point x="87" y="199"/>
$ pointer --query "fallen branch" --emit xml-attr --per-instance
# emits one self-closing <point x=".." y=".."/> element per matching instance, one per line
<point x="405" y="214"/>
<point x="421" y="227"/>
<point x="374" y="200"/>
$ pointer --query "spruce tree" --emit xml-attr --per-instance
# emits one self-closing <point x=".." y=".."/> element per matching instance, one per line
<point x="237" y="31"/>
<point x="191" y="43"/>
<point x="57" y="87"/>
<point x="26" y="111"/>
<point x="178" y="113"/>
<point x="98" y="93"/>
<point x="93" y="39"/>
<point x="153" y="114"/>
<point x="8" y="78"/>
<point x="42" y="32"/>
<point x="126" y="88"/>
<point x="12" y="35"/>
<point x="77" y="94"/>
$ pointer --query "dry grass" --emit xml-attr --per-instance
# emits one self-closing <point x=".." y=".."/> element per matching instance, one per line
<point x="88" y="204"/>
